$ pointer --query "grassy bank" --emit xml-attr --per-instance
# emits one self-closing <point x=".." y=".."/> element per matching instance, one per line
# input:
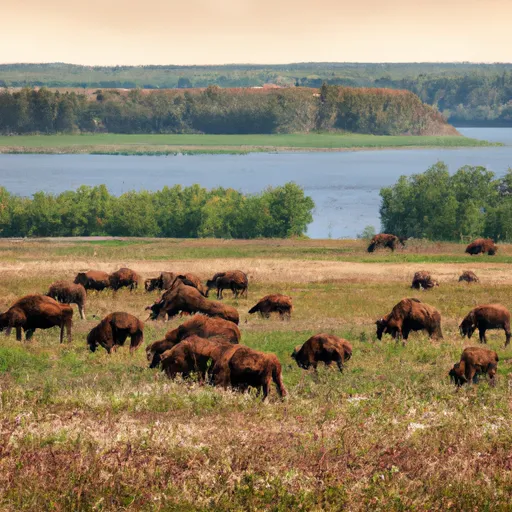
<point x="390" y="433"/>
<point x="212" y="144"/>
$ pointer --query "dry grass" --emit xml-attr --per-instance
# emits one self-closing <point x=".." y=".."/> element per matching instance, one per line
<point x="82" y="431"/>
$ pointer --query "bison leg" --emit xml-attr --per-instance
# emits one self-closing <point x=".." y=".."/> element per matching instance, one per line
<point x="18" y="333"/>
<point x="481" y="332"/>
<point x="81" y="310"/>
<point x="339" y="362"/>
<point x="135" y="341"/>
<point x="219" y="292"/>
<point x="470" y="373"/>
<point x="278" y="381"/>
<point x="28" y="334"/>
<point x="507" y="334"/>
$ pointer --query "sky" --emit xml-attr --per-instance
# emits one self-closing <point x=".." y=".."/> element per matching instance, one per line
<point x="133" y="32"/>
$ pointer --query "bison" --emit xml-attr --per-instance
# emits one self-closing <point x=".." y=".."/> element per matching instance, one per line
<point x="200" y="325"/>
<point x="93" y="280"/>
<point x="423" y="280"/>
<point x="242" y="367"/>
<point x="124" y="278"/>
<point x="384" y="240"/>
<point x="69" y="293"/>
<point x="162" y="282"/>
<point x="192" y="356"/>
<point x="488" y="316"/>
<point x="322" y="347"/>
<point x="37" y="312"/>
<point x="186" y="299"/>
<point x="234" y="280"/>
<point x="482" y="245"/>
<point x="113" y="330"/>
<point x="473" y="362"/>
<point x="275" y="303"/>
<point x="469" y="277"/>
<point x="410" y="315"/>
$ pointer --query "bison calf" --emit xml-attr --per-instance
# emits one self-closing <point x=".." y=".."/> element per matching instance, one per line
<point x="473" y="362"/>
<point x="113" y="330"/>
<point x="322" y="348"/>
<point x="93" y="280"/>
<point x="410" y="315"/>
<point x="275" y="303"/>
<point x="423" y="280"/>
<point x="69" y="293"/>
<point x="242" y="367"/>
<point x="487" y="316"/>
<point x="37" y="312"/>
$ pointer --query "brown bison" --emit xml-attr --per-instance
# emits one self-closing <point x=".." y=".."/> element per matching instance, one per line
<point x="113" y="330"/>
<point x="384" y="240"/>
<point x="199" y="325"/>
<point x="192" y="355"/>
<point x="275" y="303"/>
<point x="473" y="362"/>
<point x="186" y="299"/>
<point x="323" y="347"/>
<point x="242" y="367"/>
<point x="423" y="280"/>
<point x="162" y="282"/>
<point x="93" y="280"/>
<point x="482" y="245"/>
<point x="37" y="312"/>
<point x="488" y="316"/>
<point x="469" y="277"/>
<point x="69" y="293"/>
<point x="124" y="278"/>
<point x="234" y="280"/>
<point x="410" y="315"/>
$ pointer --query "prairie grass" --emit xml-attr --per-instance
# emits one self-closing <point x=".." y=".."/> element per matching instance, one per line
<point x="83" y="431"/>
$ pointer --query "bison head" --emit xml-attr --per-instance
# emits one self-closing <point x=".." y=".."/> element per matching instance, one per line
<point x="467" y="327"/>
<point x="210" y="285"/>
<point x="92" y="340"/>
<point x="155" y="310"/>
<point x="151" y="284"/>
<point x="457" y="375"/>
<point x="80" y="278"/>
<point x="381" y="327"/>
<point x="299" y="359"/>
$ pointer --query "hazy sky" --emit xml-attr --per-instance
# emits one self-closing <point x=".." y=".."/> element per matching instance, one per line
<point x="254" y="31"/>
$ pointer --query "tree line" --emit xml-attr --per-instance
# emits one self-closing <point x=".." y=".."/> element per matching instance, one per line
<point x="215" y="110"/>
<point x="439" y="206"/>
<point x="177" y="212"/>
<point x="465" y="93"/>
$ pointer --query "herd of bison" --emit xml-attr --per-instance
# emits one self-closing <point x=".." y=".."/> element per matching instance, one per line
<point x="208" y="344"/>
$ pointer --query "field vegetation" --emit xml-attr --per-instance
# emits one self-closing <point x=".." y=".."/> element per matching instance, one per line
<point x="87" y="431"/>
<point x="474" y="94"/>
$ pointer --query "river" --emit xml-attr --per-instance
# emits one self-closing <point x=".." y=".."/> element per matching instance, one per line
<point x="345" y="185"/>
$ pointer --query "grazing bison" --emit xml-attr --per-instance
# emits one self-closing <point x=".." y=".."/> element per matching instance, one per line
<point x="423" y="280"/>
<point x="276" y="303"/>
<point x="234" y="280"/>
<point x="113" y="330"/>
<point x="37" y="312"/>
<point x="93" y="280"/>
<point x="124" y="278"/>
<point x="186" y="299"/>
<point x="469" y="277"/>
<point x="322" y="347"/>
<point x="482" y="245"/>
<point x="473" y="362"/>
<point x="410" y="315"/>
<point x="192" y="356"/>
<point x="162" y="282"/>
<point x="69" y="293"/>
<point x="384" y="240"/>
<point x="199" y="325"/>
<point x="488" y="316"/>
<point x="242" y="367"/>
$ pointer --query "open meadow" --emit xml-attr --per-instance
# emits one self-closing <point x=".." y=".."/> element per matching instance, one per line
<point x="159" y="144"/>
<point x="89" y="431"/>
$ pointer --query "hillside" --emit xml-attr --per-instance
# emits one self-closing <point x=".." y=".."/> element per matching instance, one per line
<point x="221" y="111"/>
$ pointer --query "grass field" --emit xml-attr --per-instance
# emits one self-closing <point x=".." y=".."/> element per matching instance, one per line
<point x="172" y="144"/>
<point x="82" y="431"/>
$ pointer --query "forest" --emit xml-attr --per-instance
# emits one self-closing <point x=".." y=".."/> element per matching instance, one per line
<point x="476" y="94"/>
<point x="220" y="111"/>
<point x="438" y="206"/>
<point x="175" y="212"/>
